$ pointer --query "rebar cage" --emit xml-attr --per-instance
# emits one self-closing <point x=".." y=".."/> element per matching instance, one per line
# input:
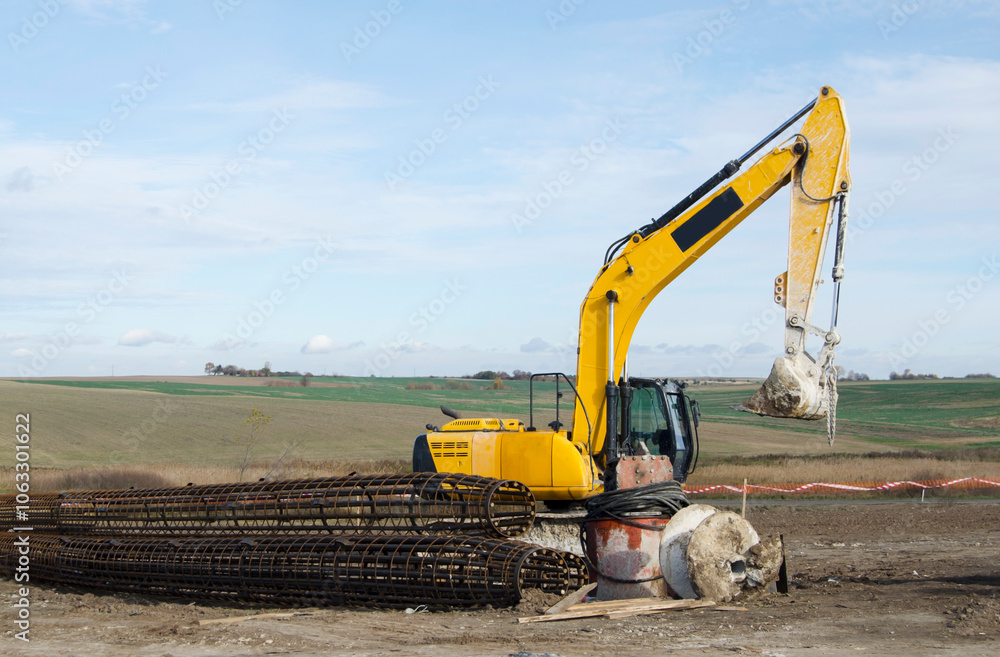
<point x="383" y="571"/>
<point x="418" y="503"/>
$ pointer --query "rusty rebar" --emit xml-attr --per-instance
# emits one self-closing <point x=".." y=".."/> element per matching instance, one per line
<point x="377" y="571"/>
<point x="418" y="503"/>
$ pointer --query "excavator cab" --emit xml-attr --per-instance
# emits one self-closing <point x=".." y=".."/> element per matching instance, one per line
<point x="662" y="421"/>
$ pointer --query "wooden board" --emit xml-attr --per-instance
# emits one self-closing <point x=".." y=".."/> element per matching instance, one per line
<point x="572" y="599"/>
<point x="618" y="609"/>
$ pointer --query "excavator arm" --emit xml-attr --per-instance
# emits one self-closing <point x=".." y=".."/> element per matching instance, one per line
<point x="560" y="465"/>
<point x="637" y="267"/>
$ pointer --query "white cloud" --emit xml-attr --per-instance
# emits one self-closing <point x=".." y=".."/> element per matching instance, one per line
<point x="109" y="11"/>
<point x="4" y="337"/>
<point x="416" y="347"/>
<point x="535" y="344"/>
<point x="22" y="352"/>
<point x="320" y="344"/>
<point x="313" y="94"/>
<point x="142" y="337"/>
<point x="226" y="344"/>
<point x="20" y="180"/>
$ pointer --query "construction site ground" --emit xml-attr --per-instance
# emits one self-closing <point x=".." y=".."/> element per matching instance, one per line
<point x="887" y="579"/>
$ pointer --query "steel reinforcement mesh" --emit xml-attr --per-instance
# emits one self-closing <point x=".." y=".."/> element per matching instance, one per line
<point x="379" y="571"/>
<point x="418" y="503"/>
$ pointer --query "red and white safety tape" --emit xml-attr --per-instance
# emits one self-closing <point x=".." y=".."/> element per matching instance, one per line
<point x="857" y="487"/>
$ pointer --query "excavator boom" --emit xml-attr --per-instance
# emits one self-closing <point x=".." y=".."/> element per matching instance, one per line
<point x="816" y="162"/>
<point x="636" y="423"/>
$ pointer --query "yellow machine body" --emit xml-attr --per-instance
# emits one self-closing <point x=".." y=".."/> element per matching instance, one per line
<point x="568" y="464"/>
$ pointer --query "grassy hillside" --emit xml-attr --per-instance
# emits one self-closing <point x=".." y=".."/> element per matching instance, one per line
<point x="896" y="415"/>
<point x="199" y="420"/>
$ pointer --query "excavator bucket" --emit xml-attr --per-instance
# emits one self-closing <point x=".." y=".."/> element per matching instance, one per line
<point x="797" y="388"/>
<point x="794" y="389"/>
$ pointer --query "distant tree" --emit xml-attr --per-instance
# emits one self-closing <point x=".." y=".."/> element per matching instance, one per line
<point x="490" y="374"/>
<point x="986" y="375"/>
<point x="907" y="375"/>
<point x="851" y="375"/>
<point x="521" y="375"/>
<point x="209" y="368"/>
<point x="217" y="370"/>
<point x="266" y="370"/>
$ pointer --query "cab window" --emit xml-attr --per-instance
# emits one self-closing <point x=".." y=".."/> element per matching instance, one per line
<point x="648" y="420"/>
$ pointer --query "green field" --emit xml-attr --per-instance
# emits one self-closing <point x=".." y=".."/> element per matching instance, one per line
<point x="942" y="414"/>
<point x="199" y="420"/>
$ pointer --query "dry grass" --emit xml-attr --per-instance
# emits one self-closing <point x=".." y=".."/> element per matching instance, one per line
<point x="79" y="427"/>
<point x="181" y="474"/>
<point x="93" y="479"/>
<point x="843" y="468"/>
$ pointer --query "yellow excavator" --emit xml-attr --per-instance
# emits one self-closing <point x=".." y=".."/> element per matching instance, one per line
<point x="629" y="431"/>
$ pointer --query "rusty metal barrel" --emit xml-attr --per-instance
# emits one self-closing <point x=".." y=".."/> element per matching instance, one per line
<point x="418" y="503"/>
<point x="621" y="538"/>
<point x="627" y="557"/>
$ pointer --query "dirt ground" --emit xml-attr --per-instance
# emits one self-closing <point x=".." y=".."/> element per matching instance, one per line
<point x="888" y="579"/>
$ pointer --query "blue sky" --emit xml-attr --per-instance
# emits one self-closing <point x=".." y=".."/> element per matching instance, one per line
<point x="333" y="187"/>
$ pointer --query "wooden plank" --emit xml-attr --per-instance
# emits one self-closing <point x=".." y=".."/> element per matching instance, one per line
<point x="692" y="604"/>
<point x="616" y="604"/>
<point x="597" y="609"/>
<point x="240" y="619"/>
<point x="566" y="615"/>
<point x="573" y="598"/>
